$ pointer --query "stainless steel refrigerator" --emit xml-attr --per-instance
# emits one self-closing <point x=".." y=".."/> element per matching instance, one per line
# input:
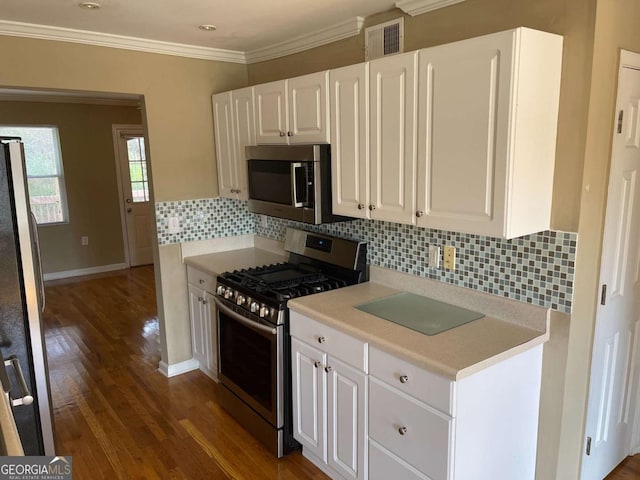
<point x="21" y="305"/>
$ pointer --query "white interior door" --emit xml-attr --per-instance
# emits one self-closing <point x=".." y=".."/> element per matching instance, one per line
<point x="138" y="210"/>
<point x="612" y="396"/>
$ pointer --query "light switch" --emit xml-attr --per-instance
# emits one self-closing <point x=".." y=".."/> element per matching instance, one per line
<point x="434" y="256"/>
<point x="174" y="224"/>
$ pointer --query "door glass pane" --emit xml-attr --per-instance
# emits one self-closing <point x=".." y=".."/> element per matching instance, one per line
<point x="138" y="170"/>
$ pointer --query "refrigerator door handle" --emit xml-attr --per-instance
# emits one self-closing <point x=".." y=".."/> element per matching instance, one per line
<point x="25" y="395"/>
<point x="38" y="261"/>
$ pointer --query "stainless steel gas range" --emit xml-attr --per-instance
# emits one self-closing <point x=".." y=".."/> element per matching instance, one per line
<point x="254" y="346"/>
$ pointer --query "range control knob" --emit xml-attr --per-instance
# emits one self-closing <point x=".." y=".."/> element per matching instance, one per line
<point x="264" y="311"/>
<point x="254" y="307"/>
<point x="240" y="300"/>
<point x="228" y="293"/>
<point x="220" y="290"/>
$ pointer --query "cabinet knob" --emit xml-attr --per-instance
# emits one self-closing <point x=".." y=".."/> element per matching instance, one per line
<point x="404" y="379"/>
<point x="290" y="134"/>
<point x="328" y="369"/>
<point x="317" y="364"/>
<point x="419" y="213"/>
<point x="200" y="281"/>
<point x="321" y="339"/>
<point x="204" y="302"/>
<point x="372" y="207"/>
<point x="282" y="134"/>
<point x="402" y="430"/>
<point x="360" y="206"/>
<point x="200" y="299"/>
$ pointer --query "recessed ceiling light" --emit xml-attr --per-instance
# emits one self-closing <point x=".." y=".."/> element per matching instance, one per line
<point x="207" y="28"/>
<point x="89" y="5"/>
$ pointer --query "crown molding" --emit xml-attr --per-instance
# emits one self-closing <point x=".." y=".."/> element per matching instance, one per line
<point x="339" y="31"/>
<point x="46" y="32"/>
<point x="417" y="7"/>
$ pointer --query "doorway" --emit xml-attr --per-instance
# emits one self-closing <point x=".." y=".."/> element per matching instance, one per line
<point x="136" y="210"/>
<point x="613" y="395"/>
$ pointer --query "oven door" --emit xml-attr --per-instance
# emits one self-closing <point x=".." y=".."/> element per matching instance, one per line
<point x="250" y="361"/>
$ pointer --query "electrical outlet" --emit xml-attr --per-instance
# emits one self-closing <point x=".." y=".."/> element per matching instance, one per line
<point x="434" y="256"/>
<point x="174" y="224"/>
<point x="449" y="257"/>
<point x="84" y="241"/>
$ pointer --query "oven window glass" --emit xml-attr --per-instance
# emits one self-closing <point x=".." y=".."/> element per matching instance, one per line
<point x="248" y="360"/>
<point x="270" y="181"/>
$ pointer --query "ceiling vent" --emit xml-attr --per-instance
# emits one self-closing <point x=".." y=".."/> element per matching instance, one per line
<point x="384" y="39"/>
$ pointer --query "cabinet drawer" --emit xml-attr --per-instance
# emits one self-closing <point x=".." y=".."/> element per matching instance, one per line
<point x="348" y="349"/>
<point x="384" y="465"/>
<point x="435" y="390"/>
<point x="203" y="280"/>
<point x="425" y="444"/>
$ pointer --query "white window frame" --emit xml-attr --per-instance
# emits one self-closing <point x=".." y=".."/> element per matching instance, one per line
<point x="60" y="176"/>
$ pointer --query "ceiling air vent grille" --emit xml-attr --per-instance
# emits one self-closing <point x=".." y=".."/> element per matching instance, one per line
<point x="384" y="39"/>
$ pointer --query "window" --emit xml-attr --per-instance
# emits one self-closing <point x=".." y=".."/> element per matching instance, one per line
<point x="138" y="169"/>
<point x="45" y="177"/>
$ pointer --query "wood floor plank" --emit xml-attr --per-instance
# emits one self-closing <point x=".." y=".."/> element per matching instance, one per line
<point x="117" y="415"/>
<point x="629" y="469"/>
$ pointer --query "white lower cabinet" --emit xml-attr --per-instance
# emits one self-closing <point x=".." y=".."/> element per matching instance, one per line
<point x="362" y="413"/>
<point x="329" y="398"/>
<point x="204" y="326"/>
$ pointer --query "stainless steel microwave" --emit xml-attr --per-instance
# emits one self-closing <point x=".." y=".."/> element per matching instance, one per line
<point x="292" y="182"/>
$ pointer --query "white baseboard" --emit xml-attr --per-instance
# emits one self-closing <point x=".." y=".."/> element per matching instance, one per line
<point x="84" y="271"/>
<point x="178" y="368"/>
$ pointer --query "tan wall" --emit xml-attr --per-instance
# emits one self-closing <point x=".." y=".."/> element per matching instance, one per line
<point x="89" y="167"/>
<point x="177" y="99"/>
<point x="616" y="27"/>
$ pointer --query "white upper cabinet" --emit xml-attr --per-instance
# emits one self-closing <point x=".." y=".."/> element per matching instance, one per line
<point x="349" y="107"/>
<point x="392" y="152"/>
<point x="488" y="111"/>
<point x="233" y="119"/>
<point x="245" y="134"/>
<point x="271" y="112"/>
<point x="293" y="111"/>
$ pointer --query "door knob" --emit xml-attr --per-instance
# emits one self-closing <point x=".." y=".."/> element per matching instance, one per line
<point x="129" y="210"/>
<point x="128" y="200"/>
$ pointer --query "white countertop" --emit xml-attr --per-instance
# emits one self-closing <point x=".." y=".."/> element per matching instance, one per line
<point x="455" y="353"/>
<point x="220" y="262"/>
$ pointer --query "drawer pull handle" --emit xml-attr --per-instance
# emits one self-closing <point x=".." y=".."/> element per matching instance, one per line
<point x="328" y="369"/>
<point x="317" y="364"/>
<point x="404" y="379"/>
<point x="402" y="430"/>
<point x="321" y="339"/>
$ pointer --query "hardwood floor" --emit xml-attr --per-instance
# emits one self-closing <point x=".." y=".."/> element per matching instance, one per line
<point x="629" y="469"/>
<point x="117" y="415"/>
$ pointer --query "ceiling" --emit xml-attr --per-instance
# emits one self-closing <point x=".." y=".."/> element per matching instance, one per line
<point x="242" y="25"/>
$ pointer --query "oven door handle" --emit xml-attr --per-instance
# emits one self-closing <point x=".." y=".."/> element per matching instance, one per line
<point x="236" y="316"/>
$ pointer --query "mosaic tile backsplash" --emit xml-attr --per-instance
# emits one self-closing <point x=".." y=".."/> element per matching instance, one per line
<point x="537" y="269"/>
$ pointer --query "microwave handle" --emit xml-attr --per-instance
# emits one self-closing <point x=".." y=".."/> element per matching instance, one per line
<point x="295" y="167"/>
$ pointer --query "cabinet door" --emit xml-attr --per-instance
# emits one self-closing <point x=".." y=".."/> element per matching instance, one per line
<point x="392" y="106"/>
<point x="245" y="134"/>
<point x="308" y="108"/>
<point x="308" y="387"/>
<point x="463" y="126"/>
<point x="198" y="332"/>
<point x="211" y="332"/>
<point x="349" y="107"/>
<point x="271" y="112"/>
<point x="346" y="406"/>
<point x="225" y="144"/>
